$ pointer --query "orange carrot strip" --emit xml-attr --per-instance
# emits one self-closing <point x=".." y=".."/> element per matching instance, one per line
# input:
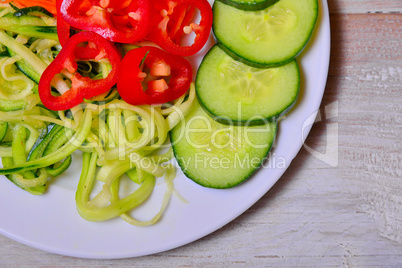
<point x="50" y="5"/>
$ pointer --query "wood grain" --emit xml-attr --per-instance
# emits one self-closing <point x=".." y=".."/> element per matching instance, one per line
<point x="364" y="6"/>
<point x="316" y="215"/>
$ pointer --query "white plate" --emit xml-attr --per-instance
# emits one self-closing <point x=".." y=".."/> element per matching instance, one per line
<point x="51" y="222"/>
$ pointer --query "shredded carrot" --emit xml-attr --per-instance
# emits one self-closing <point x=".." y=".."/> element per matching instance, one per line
<point x="50" y="5"/>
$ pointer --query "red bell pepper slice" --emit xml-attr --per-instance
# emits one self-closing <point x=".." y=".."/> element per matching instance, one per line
<point x="126" y="21"/>
<point x="81" y="87"/>
<point x="169" y="76"/>
<point x="63" y="32"/>
<point x="173" y="22"/>
<point x="63" y="28"/>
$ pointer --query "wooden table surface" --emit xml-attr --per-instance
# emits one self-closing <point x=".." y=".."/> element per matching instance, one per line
<point x="342" y="211"/>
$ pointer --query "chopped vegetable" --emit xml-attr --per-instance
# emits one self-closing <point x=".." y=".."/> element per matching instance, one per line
<point x="226" y="86"/>
<point x="219" y="156"/>
<point x="37" y="143"/>
<point x="163" y="66"/>
<point x="172" y="24"/>
<point x="116" y="136"/>
<point x="63" y="32"/>
<point x="119" y="21"/>
<point x="266" y="38"/>
<point x="81" y="87"/>
<point x="63" y="28"/>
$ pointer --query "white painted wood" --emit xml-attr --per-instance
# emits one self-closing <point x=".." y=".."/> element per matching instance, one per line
<point x="364" y="6"/>
<point x="316" y="215"/>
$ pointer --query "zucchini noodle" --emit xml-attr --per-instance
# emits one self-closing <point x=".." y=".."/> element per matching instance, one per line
<point x="29" y="183"/>
<point x="9" y="74"/>
<point x="43" y="48"/>
<point x="22" y="39"/>
<point x="6" y="10"/>
<point x="49" y="119"/>
<point x="33" y="136"/>
<point x="23" y="116"/>
<point x="116" y="139"/>
<point x="12" y="105"/>
<point x="180" y="110"/>
<point x="170" y="174"/>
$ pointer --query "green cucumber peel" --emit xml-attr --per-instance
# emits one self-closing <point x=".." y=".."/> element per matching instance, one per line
<point x="234" y="93"/>
<point x="36" y="190"/>
<point x="3" y="130"/>
<point x="48" y="32"/>
<point x="219" y="156"/>
<point x="58" y="140"/>
<point x="32" y="10"/>
<point x="26" y="68"/>
<point x="38" y="151"/>
<point x="56" y="171"/>
<point x="64" y="151"/>
<point x="250" y="5"/>
<point x="265" y="38"/>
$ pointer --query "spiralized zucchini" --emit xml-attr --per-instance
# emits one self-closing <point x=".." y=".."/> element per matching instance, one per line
<point x="117" y="139"/>
<point x="15" y="85"/>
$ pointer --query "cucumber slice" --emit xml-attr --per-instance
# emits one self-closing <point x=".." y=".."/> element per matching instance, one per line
<point x="266" y="38"/>
<point x="232" y="91"/>
<point x="250" y="4"/>
<point x="216" y="155"/>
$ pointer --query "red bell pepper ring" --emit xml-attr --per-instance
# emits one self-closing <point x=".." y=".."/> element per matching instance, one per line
<point x="169" y="76"/>
<point x="81" y="87"/>
<point x="63" y="32"/>
<point x="173" y="20"/>
<point x="63" y="28"/>
<point x="125" y="21"/>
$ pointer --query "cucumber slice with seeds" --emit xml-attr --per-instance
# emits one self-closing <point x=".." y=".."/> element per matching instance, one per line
<point x="232" y="91"/>
<point x="216" y="155"/>
<point x="269" y="37"/>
